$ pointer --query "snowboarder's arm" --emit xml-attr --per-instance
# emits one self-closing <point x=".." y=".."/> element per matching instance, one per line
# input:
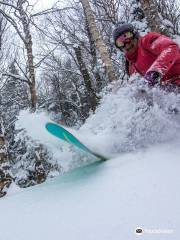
<point x="166" y="50"/>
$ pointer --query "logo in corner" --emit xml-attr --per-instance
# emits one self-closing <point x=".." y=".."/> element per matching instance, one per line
<point x="139" y="231"/>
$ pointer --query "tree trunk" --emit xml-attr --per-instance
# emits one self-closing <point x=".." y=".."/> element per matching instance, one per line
<point x="3" y="145"/>
<point x="33" y="95"/>
<point x="99" y="81"/>
<point x="107" y="64"/>
<point x="87" y="79"/>
<point x="152" y="16"/>
<point x="29" y="51"/>
<point x="1" y="31"/>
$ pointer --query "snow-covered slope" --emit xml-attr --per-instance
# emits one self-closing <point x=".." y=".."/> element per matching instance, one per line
<point x="138" y="187"/>
<point x="106" y="201"/>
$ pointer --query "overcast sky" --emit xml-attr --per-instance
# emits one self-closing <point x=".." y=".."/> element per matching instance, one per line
<point x="43" y="4"/>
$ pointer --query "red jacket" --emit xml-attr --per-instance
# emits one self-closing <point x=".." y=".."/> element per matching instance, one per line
<point x="156" y="52"/>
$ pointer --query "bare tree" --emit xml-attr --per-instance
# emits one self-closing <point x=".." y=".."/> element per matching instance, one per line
<point x="87" y="79"/>
<point x="151" y="12"/>
<point x="170" y="12"/>
<point x="107" y="10"/>
<point x="66" y="28"/>
<point x="20" y="19"/>
<point x="98" y="41"/>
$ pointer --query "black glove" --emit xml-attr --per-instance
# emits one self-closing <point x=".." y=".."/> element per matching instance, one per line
<point x="153" y="77"/>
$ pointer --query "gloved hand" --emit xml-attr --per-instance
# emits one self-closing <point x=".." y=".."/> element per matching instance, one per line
<point x="152" y="77"/>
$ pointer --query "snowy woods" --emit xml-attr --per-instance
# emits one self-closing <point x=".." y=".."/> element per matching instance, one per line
<point x="58" y="61"/>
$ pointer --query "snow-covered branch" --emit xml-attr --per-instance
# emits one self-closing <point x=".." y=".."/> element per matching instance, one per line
<point x="12" y="21"/>
<point x="18" y="77"/>
<point x="9" y="4"/>
<point x="51" y="10"/>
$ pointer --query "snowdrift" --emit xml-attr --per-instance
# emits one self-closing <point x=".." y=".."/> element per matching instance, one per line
<point x="105" y="201"/>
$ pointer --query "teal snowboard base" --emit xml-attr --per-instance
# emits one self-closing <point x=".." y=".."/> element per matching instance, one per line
<point x="61" y="133"/>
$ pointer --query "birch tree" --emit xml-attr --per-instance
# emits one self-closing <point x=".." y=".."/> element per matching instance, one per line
<point x="20" y="19"/>
<point x="101" y="48"/>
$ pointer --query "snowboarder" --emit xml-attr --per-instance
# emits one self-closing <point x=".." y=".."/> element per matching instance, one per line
<point x="154" y="56"/>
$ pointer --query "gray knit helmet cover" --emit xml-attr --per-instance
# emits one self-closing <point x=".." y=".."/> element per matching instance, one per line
<point x="122" y="27"/>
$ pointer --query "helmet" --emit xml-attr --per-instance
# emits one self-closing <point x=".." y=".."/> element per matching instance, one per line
<point x="122" y="27"/>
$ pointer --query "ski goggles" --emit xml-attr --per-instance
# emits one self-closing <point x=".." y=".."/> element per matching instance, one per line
<point x="124" y="38"/>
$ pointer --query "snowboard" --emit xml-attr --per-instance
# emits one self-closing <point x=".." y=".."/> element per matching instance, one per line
<point x="63" y="134"/>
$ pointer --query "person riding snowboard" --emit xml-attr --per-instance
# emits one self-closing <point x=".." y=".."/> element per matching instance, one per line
<point x="154" y="56"/>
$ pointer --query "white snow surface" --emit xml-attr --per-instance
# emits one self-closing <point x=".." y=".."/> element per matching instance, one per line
<point x="137" y="188"/>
